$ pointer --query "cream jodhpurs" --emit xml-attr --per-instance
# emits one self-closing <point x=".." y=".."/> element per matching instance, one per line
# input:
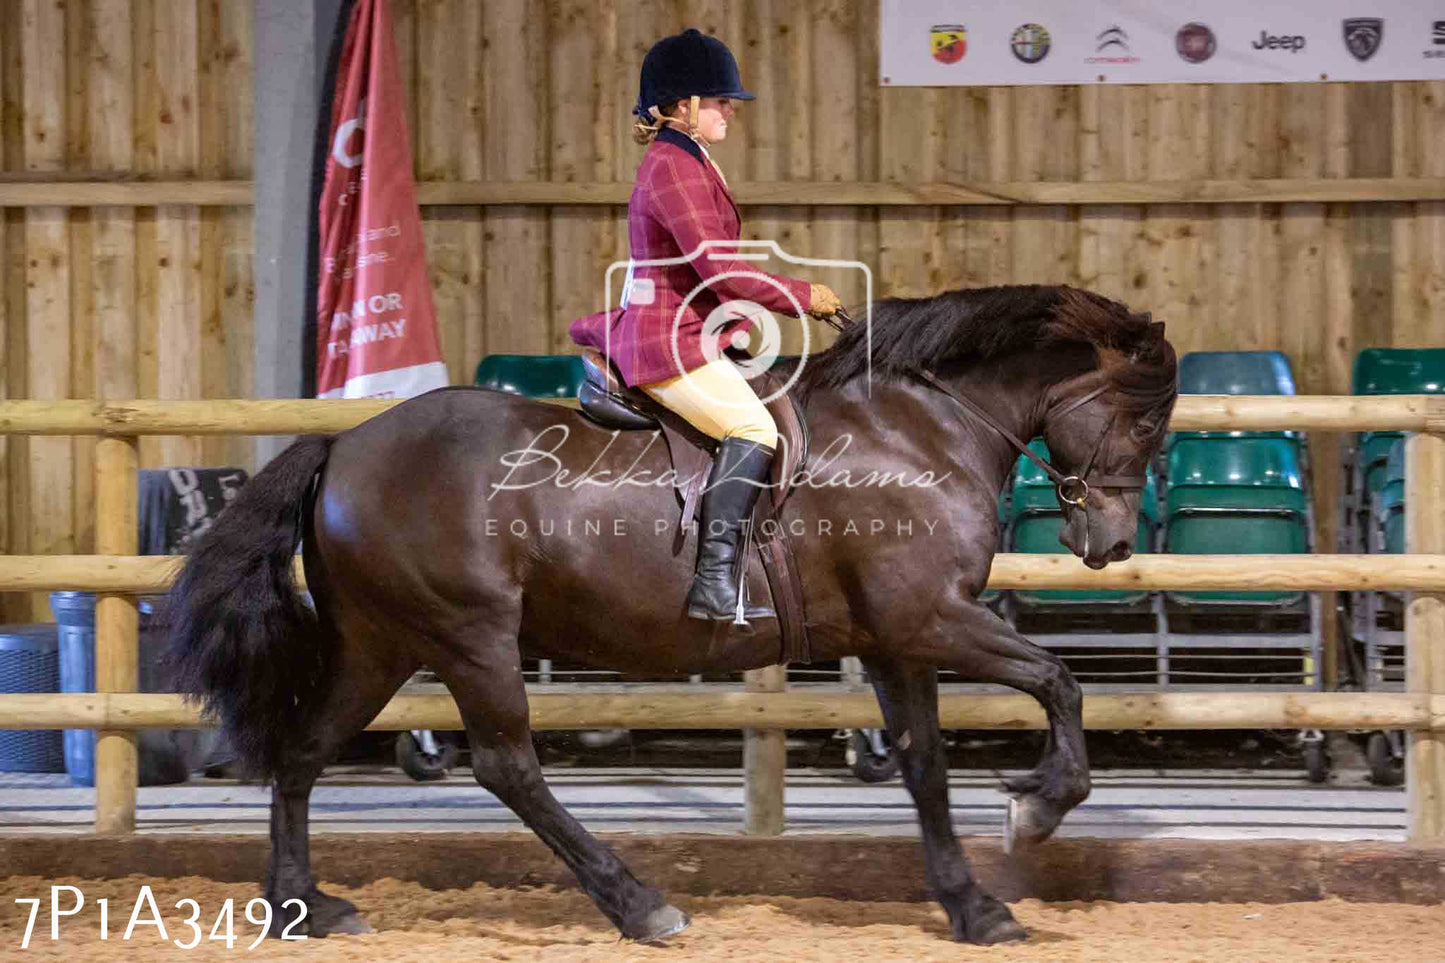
<point x="717" y="402"/>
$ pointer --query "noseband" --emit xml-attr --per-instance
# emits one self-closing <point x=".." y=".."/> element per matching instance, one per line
<point x="1073" y="489"/>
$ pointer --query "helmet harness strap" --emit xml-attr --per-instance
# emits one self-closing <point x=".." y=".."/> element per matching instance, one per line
<point x="659" y="119"/>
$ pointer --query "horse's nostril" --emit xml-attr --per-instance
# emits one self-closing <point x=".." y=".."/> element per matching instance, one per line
<point x="1121" y="551"/>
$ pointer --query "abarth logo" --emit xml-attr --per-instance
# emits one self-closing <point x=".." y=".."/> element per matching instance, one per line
<point x="950" y="42"/>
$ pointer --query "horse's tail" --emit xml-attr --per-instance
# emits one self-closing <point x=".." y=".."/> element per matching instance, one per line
<point x="241" y="640"/>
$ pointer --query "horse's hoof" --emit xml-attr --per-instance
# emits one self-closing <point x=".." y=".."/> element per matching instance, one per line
<point x="1001" y="931"/>
<point x="662" y="923"/>
<point x="1024" y="826"/>
<point x="349" y="925"/>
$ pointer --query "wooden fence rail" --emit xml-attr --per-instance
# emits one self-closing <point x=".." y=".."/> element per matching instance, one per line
<point x="646" y="706"/>
<point x="147" y="574"/>
<point x="301" y="416"/>
<point x="37" y="190"/>
<point x="116" y="711"/>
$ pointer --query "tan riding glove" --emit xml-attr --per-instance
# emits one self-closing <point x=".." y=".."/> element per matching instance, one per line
<point x="822" y="301"/>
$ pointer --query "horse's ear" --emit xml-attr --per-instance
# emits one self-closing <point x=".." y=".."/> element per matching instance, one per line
<point x="1156" y="328"/>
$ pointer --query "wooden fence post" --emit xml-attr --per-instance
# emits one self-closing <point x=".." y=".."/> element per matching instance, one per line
<point x="765" y="761"/>
<point x="117" y="632"/>
<point x="1425" y="637"/>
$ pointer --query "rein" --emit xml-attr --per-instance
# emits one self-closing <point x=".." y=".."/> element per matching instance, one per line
<point x="1072" y="489"/>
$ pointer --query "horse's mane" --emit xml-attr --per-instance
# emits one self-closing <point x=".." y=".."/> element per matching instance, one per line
<point x="975" y="324"/>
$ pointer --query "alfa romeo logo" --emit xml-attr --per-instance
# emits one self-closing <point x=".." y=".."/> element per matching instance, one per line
<point x="1030" y="43"/>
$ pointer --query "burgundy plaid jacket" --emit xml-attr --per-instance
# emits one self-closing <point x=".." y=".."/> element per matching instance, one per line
<point x="679" y="202"/>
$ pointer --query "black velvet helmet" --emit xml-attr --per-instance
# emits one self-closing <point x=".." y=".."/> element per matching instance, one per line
<point x="687" y="65"/>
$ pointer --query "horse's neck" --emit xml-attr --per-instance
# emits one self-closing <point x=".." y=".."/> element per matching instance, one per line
<point x="1014" y="390"/>
<point x="915" y="409"/>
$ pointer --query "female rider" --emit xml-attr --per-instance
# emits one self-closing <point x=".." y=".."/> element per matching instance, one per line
<point x="681" y="208"/>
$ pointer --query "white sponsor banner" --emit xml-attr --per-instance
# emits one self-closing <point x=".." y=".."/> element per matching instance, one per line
<point x="393" y="382"/>
<point x="941" y="43"/>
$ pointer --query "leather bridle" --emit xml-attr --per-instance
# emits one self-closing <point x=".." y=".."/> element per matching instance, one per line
<point x="1072" y="489"/>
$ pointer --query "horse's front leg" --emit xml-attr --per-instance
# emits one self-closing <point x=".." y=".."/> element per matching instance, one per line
<point x="908" y="695"/>
<point x="980" y="646"/>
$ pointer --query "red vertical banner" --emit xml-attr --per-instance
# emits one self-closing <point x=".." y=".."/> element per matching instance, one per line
<point x="376" y="325"/>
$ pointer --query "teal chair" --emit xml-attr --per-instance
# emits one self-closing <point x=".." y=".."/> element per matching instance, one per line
<point x="1391" y="371"/>
<point x="532" y="375"/>
<point x="1236" y="373"/>
<point x="1033" y="524"/>
<point x="1235" y="496"/>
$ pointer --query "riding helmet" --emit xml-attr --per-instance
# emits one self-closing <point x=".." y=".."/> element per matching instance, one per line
<point x="687" y="65"/>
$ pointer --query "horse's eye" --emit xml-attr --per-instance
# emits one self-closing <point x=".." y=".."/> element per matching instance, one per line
<point x="1142" y="430"/>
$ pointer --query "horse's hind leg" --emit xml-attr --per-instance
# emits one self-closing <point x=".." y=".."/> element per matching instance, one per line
<point x="369" y="671"/>
<point x="487" y="684"/>
<point x="908" y="695"/>
<point x="982" y="647"/>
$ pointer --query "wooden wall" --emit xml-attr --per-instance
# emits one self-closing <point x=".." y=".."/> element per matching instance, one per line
<point x="156" y="301"/>
<point x="532" y="97"/>
<point x="119" y="302"/>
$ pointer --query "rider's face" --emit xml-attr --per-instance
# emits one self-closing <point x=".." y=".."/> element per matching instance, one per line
<point x="712" y="117"/>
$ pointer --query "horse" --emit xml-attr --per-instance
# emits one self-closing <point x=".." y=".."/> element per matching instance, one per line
<point x="466" y="529"/>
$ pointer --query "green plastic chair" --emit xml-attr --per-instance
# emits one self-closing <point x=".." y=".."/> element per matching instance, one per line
<point x="1392" y="371"/>
<point x="1034" y="523"/>
<point x="532" y="375"/>
<point x="1236" y="373"/>
<point x="1399" y="371"/>
<point x="1235" y="496"/>
<point x="1251" y="473"/>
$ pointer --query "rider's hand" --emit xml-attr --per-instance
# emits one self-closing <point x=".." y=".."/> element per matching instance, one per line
<point x="822" y="301"/>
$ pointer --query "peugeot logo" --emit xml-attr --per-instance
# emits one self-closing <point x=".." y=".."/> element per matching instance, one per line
<point x="1363" y="36"/>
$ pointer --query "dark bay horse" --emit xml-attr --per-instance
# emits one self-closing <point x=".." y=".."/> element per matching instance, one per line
<point x="466" y="530"/>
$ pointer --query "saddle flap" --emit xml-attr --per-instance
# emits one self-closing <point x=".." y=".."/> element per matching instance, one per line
<point x="793" y="438"/>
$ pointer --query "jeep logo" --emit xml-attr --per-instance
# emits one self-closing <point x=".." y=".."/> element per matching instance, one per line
<point x="1268" y="41"/>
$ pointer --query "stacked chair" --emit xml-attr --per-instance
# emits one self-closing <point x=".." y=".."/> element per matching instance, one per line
<point x="1239" y="492"/>
<point x="1107" y="637"/>
<point x="1374" y="522"/>
<point x="1388" y="371"/>
<point x="1380" y="615"/>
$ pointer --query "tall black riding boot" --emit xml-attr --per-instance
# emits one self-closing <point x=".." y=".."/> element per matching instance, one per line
<point x="739" y="470"/>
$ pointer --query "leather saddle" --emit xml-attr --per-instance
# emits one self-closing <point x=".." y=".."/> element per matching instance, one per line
<point x="607" y="401"/>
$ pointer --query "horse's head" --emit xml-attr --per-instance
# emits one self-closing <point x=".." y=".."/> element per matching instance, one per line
<point x="1103" y="429"/>
<point x="1108" y="375"/>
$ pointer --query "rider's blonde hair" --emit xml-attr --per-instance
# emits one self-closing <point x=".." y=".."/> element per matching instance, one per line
<point x="645" y="133"/>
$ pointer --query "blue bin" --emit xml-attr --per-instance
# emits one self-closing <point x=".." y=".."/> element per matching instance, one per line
<point x="165" y="756"/>
<point x="30" y="662"/>
<point x="75" y="619"/>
